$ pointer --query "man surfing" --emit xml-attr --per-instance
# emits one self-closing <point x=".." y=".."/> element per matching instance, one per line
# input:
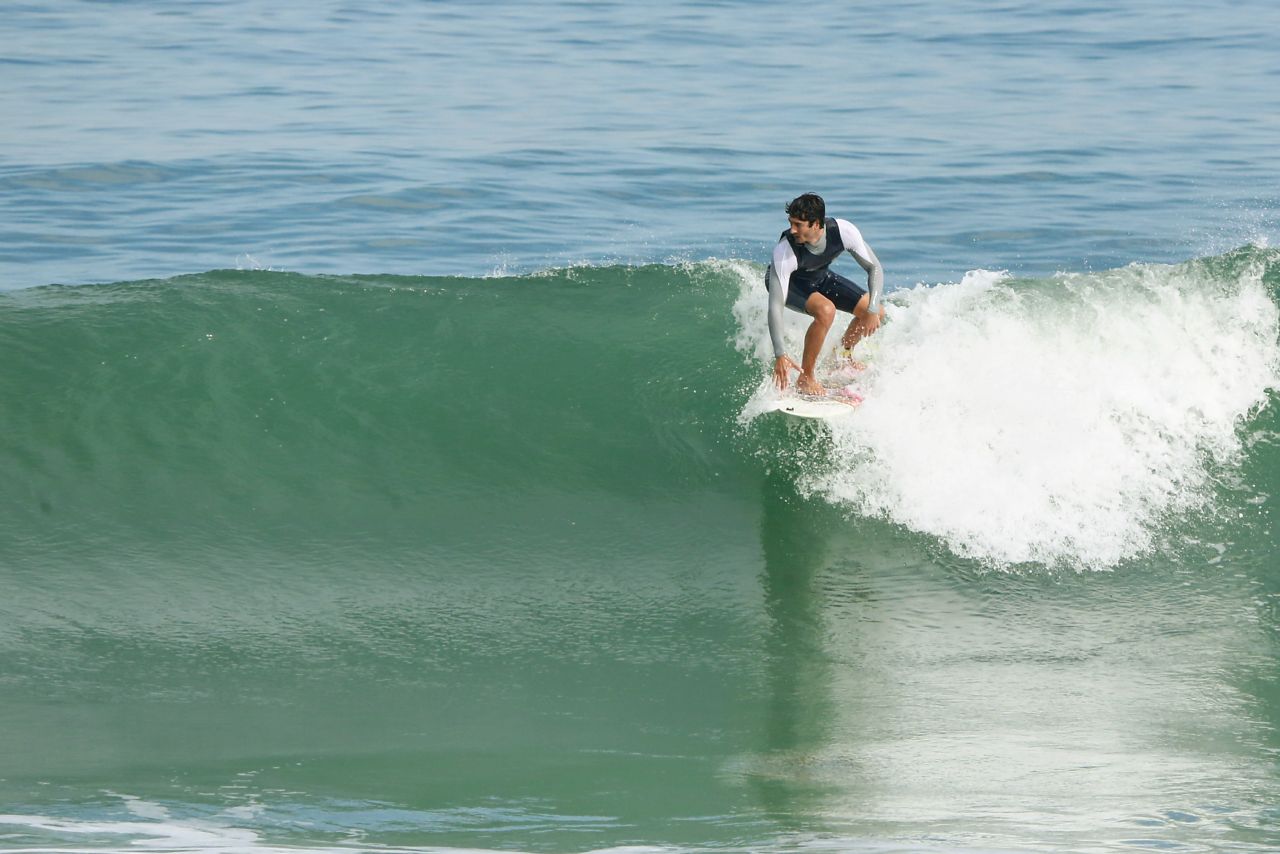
<point x="799" y="278"/>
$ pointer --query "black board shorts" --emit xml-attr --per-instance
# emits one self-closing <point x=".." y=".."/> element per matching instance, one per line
<point x="835" y="287"/>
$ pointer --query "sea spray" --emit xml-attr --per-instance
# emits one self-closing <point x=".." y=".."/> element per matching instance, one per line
<point x="1063" y="421"/>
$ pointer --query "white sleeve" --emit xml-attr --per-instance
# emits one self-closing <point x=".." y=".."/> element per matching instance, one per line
<point x="861" y="252"/>
<point x="784" y="264"/>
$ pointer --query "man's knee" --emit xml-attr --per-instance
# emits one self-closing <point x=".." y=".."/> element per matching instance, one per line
<point x="822" y="309"/>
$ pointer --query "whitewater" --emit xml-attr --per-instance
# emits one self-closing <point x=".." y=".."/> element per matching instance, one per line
<point x="1074" y="420"/>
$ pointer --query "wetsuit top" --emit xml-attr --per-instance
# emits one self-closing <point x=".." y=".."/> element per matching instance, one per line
<point x="800" y="263"/>
<point x="812" y="263"/>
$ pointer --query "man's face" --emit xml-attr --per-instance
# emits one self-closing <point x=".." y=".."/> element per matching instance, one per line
<point x="805" y="232"/>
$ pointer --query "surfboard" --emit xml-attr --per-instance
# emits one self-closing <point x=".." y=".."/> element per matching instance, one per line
<point x="823" y="408"/>
<point x="841" y="378"/>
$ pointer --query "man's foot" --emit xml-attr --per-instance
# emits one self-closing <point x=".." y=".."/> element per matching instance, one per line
<point x="808" y="385"/>
<point x="848" y="395"/>
<point x="847" y="370"/>
<point x="845" y="360"/>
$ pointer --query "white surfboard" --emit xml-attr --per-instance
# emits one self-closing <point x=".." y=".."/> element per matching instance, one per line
<point x="824" y="408"/>
<point x="842" y="400"/>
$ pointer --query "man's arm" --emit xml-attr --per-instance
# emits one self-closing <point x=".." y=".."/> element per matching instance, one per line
<point x="784" y="264"/>
<point x="867" y="260"/>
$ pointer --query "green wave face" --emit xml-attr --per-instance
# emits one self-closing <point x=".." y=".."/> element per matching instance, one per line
<point x="271" y="405"/>
<point x="1069" y="419"/>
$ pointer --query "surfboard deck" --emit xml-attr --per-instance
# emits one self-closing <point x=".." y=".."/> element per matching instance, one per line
<point x="837" y="374"/>
<point x="823" y="408"/>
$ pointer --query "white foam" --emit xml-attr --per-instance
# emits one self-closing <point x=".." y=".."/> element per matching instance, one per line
<point x="177" y="838"/>
<point x="1058" y="421"/>
<point x="149" y="835"/>
<point x="72" y="836"/>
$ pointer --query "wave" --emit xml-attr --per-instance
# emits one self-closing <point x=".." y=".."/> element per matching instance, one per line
<point x="1068" y="419"/>
<point x="1082" y="419"/>
<point x="268" y="410"/>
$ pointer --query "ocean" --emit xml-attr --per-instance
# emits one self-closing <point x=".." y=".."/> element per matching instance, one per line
<point x="386" y="464"/>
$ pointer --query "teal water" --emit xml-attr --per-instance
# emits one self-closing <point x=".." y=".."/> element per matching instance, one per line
<point x="152" y="139"/>
<point x="385" y="467"/>
<point x="265" y="587"/>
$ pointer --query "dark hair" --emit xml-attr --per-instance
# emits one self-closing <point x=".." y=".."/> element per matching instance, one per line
<point x="810" y="207"/>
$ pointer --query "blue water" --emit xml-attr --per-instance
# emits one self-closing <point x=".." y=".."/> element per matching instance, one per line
<point x="384" y="468"/>
<point x="152" y="139"/>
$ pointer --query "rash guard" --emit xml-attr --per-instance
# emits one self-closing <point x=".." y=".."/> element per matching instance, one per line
<point x="785" y="264"/>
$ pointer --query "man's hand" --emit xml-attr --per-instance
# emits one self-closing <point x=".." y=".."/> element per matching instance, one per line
<point x="781" y="366"/>
<point x="870" y="323"/>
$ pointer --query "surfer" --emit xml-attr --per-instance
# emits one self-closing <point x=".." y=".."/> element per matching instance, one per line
<point x="799" y="278"/>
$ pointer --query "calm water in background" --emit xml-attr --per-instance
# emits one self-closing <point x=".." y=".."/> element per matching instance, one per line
<point x="381" y="552"/>
<point x="146" y="139"/>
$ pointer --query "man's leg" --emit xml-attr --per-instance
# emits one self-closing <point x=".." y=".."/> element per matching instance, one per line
<point x="823" y="312"/>
<point x="860" y="327"/>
